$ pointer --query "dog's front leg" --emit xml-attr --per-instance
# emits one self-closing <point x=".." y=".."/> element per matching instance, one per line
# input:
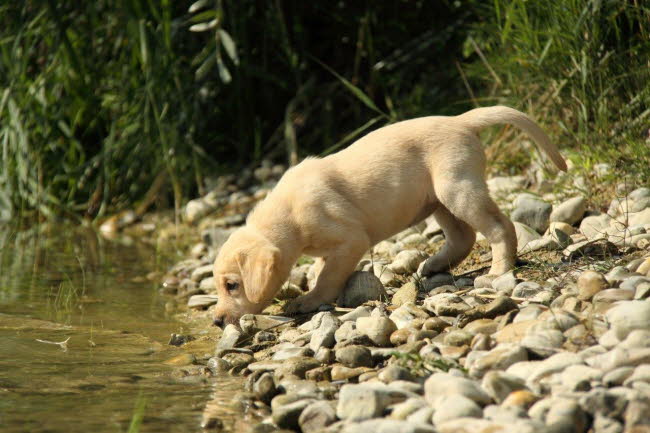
<point x="338" y="266"/>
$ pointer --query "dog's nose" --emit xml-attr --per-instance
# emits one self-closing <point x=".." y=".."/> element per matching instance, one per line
<point x="218" y="321"/>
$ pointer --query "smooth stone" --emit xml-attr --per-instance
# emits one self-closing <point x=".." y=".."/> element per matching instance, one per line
<point x="458" y="337"/>
<point x="352" y="316"/>
<point x="590" y="248"/>
<point x="499" y="358"/>
<point x="366" y="400"/>
<point x="387" y="426"/>
<point x="544" y="343"/>
<point x="201" y="272"/>
<point x="617" y="376"/>
<point x="628" y="316"/>
<point x="590" y="283"/>
<point x="229" y="338"/>
<point x="437" y="280"/>
<point x="503" y="414"/>
<point x="532" y="211"/>
<point x="521" y="398"/>
<point x="525" y="235"/>
<point x="316" y="416"/>
<point x="393" y="373"/>
<point x="286" y="410"/>
<point x="295" y="367"/>
<point x="475" y="425"/>
<point x="340" y="372"/>
<point x="569" y="211"/>
<point x="405" y="315"/>
<point x="291" y="352"/>
<point x="566" y="415"/>
<point x="455" y="406"/>
<point x="421" y="416"/>
<point x="403" y="410"/>
<point x="505" y="283"/>
<point x="360" y="288"/>
<point x="378" y="329"/>
<point x="595" y="225"/>
<point x="481" y="326"/>
<point x="354" y="356"/>
<point x="407" y="293"/>
<point x="442" y="384"/>
<point x="407" y="262"/>
<point x="526" y="289"/>
<point x="551" y="365"/>
<point x="446" y="304"/>
<point x="499" y="385"/>
<point x="264" y="388"/>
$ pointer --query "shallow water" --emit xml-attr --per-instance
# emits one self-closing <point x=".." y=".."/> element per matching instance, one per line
<point x="65" y="283"/>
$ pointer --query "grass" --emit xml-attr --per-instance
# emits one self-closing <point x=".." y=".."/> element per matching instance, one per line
<point x="128" y="104"/>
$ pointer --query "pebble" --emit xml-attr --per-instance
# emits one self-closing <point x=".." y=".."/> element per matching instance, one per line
<point x="229" y="338"/>
<point x="442" y="384"/>
<point x="532" y="211"/>
<point x="407" y="261"/>
<point x="500" y="358"/>
<point x="455" y="406"/>
<point x="354" y="356"/>
<point x="505" y="283"/>
<point x="590" y="283"/>
<point x="500" y="385"/>
<point x="286" y="410"/>
<point x="365" y="401"/>
<point x="316" y="416"/>
<point x="387" y="426"/>
<point x="627" y="316"/>
<point x="360" y="288"/>
<point x="407" y="293"/>
<point x="569" y="211"/>
<point x="378" y="329"/>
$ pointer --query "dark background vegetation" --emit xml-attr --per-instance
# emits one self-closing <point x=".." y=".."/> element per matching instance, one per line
<point x="102" y="101"/>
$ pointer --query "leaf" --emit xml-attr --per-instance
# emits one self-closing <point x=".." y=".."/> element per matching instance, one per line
<point x="354" y="89"/>
<point x="143" y="43"/>
<point x="198" y="5"/>
<point x="204" y="16"/>
<point x="224" y="73"/>
<point x="229" y="46"/>
<point x="204" y="27"/>
<point x="205" y="67"/>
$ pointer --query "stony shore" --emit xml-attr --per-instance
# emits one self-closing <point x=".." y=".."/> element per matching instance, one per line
<point x="562" y="344"/>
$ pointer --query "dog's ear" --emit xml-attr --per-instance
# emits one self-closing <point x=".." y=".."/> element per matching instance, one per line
<point x="258" y="270"/>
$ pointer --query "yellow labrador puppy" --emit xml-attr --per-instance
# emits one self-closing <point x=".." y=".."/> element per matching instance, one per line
<point x="335" y="208"/>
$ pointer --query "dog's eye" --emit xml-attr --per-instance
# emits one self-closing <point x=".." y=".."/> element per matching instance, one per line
<point x="231" y="285"/>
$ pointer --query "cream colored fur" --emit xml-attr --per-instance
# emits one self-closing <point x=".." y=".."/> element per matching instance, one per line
<point x="337" y="207"/>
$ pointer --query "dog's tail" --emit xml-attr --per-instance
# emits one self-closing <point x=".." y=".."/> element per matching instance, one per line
<point x="480" y="118"/>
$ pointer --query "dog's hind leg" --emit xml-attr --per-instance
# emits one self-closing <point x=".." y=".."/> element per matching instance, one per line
<point x="467" y="198"/>
<point x="460" y="238"/>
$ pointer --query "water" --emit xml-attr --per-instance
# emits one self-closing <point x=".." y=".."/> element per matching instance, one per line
<point x="66" y="283"/>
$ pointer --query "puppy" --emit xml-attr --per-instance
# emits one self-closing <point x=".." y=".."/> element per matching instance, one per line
<point x="335" y="208"/>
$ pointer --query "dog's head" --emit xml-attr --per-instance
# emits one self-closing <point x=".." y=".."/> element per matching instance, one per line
<point x="246" y="274"/>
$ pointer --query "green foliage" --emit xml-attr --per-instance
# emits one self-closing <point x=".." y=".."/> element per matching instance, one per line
<point x="581" y="67"/>
<point x="99" y="99"/>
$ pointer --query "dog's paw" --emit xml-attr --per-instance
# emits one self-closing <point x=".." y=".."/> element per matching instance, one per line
<point x="302" y="304"/>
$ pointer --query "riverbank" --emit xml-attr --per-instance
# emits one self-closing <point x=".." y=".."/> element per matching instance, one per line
<point x="560" y="344"/>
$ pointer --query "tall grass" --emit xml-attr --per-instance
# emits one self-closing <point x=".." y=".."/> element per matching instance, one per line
<point x="581" y="67"/>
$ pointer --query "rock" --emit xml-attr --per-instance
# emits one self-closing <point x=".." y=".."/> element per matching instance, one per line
<point x="287" y="409"/>
<point x="407" y="261"/>
<point x="617" y="376"/>
<point x="387" y="426"/>
<point x="197" y="209"/>
<point x="378" y="329"/>
<point x="506" y="184"/>
<point x="637" y="414"/>
<point x="499" y="385"/>
<point x="201" y="273"/>
<point x="443" y="384"/>
<point x="565" y="415"/>
<point x="207" y="284"/>
<point x="590" y="283"/>
<point x="201" y="301"/>
<point x="251" y="323"/>
<point x="360" y="288"/>
<point x="340" y="372"/>
<point x="569" y="211"/>
<point x="597" y="248"/>
<point x="229" y="338"/>
<point x="505" y="283"/>
<point x="178" y="339"/>
<point x="560" y="233"/>
<point x="291" y="352"/>
<point x="362" y="311"/>
<point x="458" y="337"/>
<point x="407" y="293"/>
<point x="525" y="235"/>
<point x="604" y="424"/>
<point x="324" y="335"/>
<point x="551" y="365"/>
<point x="446" y="304"/>
<point x="366" y="400"/>
<point x="595" y="226"/>
<point x="481" y="326"/>
<point x="393" y="373"/>
<point x="437" y="280"/>
<point x="526" y="289"/>
<point x="503" y="414"/>
<point x="354" y="356"/>
<point x="627" y="316"/>
<point x="346" y="331"/>
<point x="523" y="399"/>
<point x="407" y="315"/>
<point x="403" y="410"/>
<point x="181" y="360"/>
<point x="544" y="343"/>
<point x="295" y="367"/>
<point x="499" y="358"/>
<point x="455" y="406"/>
<point x="620" y="357"/>
<point x="238" y="360"/>
<point x="475" y="425"/>
<point x="264" y="388"/>
<point x="532" y="211"/>
<point x="496" y="307"/>
<point x="316" y="416"/>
